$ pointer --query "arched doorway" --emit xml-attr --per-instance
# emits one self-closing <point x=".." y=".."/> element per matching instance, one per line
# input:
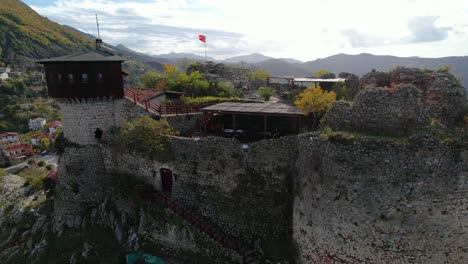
<point x="166" y="180"/>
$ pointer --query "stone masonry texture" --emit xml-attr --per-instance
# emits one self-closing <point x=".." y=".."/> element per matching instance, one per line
<point x="315" y="198"/>
<point x="380" y="201"/>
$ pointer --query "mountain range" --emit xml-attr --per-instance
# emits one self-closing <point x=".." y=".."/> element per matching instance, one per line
<point x="26" y="36"/>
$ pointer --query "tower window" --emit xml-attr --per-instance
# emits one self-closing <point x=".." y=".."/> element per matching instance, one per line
<point x="98" y="133"/>
<point x="59" y="78"/>
<point x="84" y="78"/>
<point x="70" y="78"/>
<point x="99" y="76"/>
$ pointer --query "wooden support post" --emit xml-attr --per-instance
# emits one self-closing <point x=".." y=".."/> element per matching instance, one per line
<point x="298" y="124"/>
<point x="233" y="123"/>
<point x="265" y="125"/>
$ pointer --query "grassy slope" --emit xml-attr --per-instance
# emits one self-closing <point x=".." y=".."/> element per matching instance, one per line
<point x="26" y="34"/>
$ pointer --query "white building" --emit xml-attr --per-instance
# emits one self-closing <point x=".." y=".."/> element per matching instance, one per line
<point x="36" y="123"/>
<point x="9" y="137"/>
<point x="39" y="139"/>
<point x="3" y="69"/>
<point x="54" y="126"/>
<point x="4" y="76"/>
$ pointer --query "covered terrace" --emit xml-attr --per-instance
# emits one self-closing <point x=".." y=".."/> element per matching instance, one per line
<point x="252" y="121"/>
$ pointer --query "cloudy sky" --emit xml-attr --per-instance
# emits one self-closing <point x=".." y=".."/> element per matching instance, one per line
<point x="300" y="29"/>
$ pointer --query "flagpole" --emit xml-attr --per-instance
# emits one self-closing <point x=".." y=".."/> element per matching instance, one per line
<point x="205" y="52"/>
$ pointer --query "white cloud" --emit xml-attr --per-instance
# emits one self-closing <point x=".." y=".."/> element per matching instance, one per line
<point x="302" y="29"/>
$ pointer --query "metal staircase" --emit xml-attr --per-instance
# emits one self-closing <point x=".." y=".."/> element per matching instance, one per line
<point x="249" y="256"/>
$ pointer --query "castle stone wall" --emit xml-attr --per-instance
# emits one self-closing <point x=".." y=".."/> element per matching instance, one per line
<point x="380" y="111"/>
<point x="380" y="201"/>
<point x="246" y="190"/>
<point x="81" y="172"/>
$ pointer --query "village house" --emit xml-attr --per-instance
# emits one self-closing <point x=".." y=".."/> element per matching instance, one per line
<point x="40" y="139"/>
<point x="36" y="123"/>
<point x="9" y="137"/>
<point x="4" y="77"/>
<point x="5" y="69"/>
<point x="54" y="125"/>
<point x="17" y="151"/>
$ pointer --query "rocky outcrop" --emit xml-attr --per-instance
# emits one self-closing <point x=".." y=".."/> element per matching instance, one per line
<point x="400" y="102"/>
<point x="381" y="111"/>
<point x="25" y="221"/>
<point x="215" y="72"/>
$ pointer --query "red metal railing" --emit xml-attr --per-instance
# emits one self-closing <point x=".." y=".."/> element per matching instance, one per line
<point x="141" y="97"/>
<point x="248" y="255"/>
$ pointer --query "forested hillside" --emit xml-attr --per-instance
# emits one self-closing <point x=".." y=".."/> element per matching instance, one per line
<point x="25" y="35"/>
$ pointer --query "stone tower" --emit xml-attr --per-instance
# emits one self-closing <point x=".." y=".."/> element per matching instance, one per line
<point x="88" y="88"/>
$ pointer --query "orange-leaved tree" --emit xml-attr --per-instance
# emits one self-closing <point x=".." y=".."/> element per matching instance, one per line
<point x="315" y="100"/>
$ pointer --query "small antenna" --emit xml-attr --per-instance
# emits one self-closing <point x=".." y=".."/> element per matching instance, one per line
<point x="97" y="23"/>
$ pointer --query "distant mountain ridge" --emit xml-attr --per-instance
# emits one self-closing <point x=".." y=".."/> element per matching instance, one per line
<point x="26" y="36"/>
<point x="190" y="56"/>
<point x="364" y="63"/>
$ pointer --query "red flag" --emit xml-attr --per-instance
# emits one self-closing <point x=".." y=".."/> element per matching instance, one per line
<point x="202" y="38"/>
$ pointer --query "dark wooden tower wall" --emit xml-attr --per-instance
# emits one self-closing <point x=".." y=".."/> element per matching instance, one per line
<point x="81" y="80"/>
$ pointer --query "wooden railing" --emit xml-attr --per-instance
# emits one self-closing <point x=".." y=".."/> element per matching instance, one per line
<point x="141" y="97"/>
<point x="198" y="222"/>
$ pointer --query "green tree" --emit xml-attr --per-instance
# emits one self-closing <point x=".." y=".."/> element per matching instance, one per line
<point x="151" y="78"/>
<point x="148" y="137"/>
<point x="316" y="101"/>
<point x="266" y="92"/>
<point x="259" y="74"/>
<point x="18" y="86"/>
<point x="193" y="84"/>
<point x="341" y="91"/>
<point x="321" y="72"/>
<point x="227" y="89"/>
<point x="170" y="70"/>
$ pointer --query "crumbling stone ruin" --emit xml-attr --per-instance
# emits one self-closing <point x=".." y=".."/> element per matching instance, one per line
<point x="400" y="102"/>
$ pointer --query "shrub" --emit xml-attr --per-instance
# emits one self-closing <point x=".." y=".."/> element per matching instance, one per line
<point x="32" y="162"/>
<point x="2" y="172"/>
<point x="148" y="137"/>
<point x="33" y="176"/>
<point x="316" y="101"/>
<point x="50" y="167"/>
<point x="41" y="163"/>
<point x="266" y="92"/>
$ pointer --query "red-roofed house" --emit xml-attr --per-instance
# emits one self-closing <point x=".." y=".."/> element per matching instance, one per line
<point x="9" y="137"/>
<point x="15" y="151"/>
<point x="50" y="181"/>
<point x="39" y="139"/>
<point x="54" y="126"/>
<point x="36" y="123"/>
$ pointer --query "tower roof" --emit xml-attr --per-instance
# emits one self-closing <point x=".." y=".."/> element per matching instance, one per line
<point x="88" y="56"/>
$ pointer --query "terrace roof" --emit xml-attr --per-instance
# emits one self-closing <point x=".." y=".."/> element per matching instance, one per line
<point x="269" y="108"/>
